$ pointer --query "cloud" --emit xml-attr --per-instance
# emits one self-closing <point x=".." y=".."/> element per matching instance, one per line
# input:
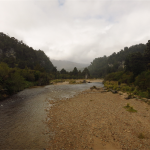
<point x="76" y="30"/>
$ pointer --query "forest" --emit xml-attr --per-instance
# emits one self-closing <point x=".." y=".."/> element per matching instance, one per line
<point x="102" y="66"/>
<point x="134" y="78"/>
<point x="22" y="67"/>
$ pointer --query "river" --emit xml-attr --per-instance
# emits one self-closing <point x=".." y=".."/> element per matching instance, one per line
<point x="23" y="116"/>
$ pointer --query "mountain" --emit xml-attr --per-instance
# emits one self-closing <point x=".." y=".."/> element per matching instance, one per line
<point x="17" y="54"/>
<point x="68" y="65"/>
<point x="102" y="66"/>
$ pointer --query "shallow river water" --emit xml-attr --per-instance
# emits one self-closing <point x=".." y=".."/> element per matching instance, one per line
<point x="23" y="116"/>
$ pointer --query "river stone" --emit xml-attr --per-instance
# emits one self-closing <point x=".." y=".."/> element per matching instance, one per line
<point x="114" y="91"/>
<point x="125" y="96"/>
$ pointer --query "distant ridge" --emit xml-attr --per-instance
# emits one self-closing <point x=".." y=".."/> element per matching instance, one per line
<point x="68" y="65"/>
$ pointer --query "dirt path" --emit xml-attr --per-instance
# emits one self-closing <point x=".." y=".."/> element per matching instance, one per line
<point x="97" y="121"/>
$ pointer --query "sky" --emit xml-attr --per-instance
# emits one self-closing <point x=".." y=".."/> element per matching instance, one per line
<point x="77" y="30"/>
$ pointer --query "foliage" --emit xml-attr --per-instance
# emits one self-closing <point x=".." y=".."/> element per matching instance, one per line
<point x="143" y="81"/>
<point x="13" y="80"/>
<point x="72" y="82"/>
<point x="21" y="67"/>
<point x="136" y="75"/>
<point x="17" y="54"/>
<point x="102" y="66"/>
<point x="135" y="63"/>
<point x="74" y="74"/>
<point x="129" y="108"/>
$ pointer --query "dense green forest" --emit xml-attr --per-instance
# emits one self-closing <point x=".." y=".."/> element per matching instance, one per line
<point x="136" y="74"/>
<point x="102" y="66"/>
<point x="21" y="67"/>
<point x="17" y="54"/>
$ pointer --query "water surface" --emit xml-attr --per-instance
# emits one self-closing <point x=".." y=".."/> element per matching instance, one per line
<point x="23" y="116"/>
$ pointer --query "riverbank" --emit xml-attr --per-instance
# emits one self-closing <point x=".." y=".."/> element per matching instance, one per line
<point x="95" y="120"/>
<point x="79" y="81"/>
<point x="24" y="114"/>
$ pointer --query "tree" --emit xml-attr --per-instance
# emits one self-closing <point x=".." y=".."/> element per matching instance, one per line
<point x="135" y="63"/>
<point x="147" y="55"/>
<point x="86" y="73"/>
<point x="75" y="71"/>
<point x="63" y="71"/>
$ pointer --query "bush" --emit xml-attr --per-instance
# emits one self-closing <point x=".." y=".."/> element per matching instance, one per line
<point x="143" y="80"/>
<point x="72" y="82"/>
<point x="129" y="108"/>
<point x="15" y="83"/>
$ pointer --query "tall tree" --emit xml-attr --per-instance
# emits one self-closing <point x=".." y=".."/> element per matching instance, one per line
<point x="75" y="71"/>
<point x="135" y="63"/>
<point x="147" y="55"/>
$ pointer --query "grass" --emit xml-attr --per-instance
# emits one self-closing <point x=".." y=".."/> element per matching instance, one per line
<point x="58" y="80"/>
<point x="131" y="90"/>
<point x="129" y="108"/>
<point x="141" y="136"/>
<point x="72" y="82"/>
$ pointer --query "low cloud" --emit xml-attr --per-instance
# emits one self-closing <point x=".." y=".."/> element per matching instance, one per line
<point x="76" y="30"/>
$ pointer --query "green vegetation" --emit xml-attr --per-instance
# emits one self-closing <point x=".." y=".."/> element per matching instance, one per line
<point x="135" y="78"/>
<point x="75" y="74"/>
<point x="129" y="108"/>
<point x="13" y="80"/>
<point x="102" y="66"/>
<point x="17" y="54"/>
<point x="72" y="82"/>
<point x="132" y="90"/>
<point x="57" y="81"/>
<point x="22" y="67"/>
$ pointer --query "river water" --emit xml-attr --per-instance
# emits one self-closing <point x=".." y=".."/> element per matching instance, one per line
<point x="23" y="116"/>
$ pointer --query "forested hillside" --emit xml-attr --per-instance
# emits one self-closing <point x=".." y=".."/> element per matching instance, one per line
<point x="17" y="54"/>
<point x="102" y="66"/>
<point x="135" y="79"/>
<point x="21" y="66"/>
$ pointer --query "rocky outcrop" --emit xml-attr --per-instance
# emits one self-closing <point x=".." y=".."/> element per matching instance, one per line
<point x="10" y="53"/>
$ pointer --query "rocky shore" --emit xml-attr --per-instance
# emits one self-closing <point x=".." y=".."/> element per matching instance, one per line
<point x="97" y="120"/>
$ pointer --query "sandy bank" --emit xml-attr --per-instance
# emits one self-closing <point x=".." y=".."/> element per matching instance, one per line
<point x="78" y="80"/>
<point x="96" y="120"/>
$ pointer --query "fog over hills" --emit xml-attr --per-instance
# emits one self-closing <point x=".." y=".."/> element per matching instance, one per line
<point x="68" y="65"/>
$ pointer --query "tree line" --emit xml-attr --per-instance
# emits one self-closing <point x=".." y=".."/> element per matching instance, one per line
<point x="21" y="67"/>
<point x="136" y="73"/>
<point x="102" y="66"/>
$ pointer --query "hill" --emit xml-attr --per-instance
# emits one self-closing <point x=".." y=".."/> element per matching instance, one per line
<point x="68" y="65"/>
<point x="17" y="54"/>
<point x="102" y="66"/>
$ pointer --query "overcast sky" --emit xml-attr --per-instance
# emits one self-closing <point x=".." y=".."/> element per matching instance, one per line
<point x="77" y="30"/>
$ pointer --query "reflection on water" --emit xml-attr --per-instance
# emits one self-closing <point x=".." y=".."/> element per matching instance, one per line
<point x="22" y="116"/>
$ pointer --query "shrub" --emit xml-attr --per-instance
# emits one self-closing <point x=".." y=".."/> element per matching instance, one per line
<point x="72" y="82"/>
<point x="129" y="108"/>
<point x="143" y="80"/>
